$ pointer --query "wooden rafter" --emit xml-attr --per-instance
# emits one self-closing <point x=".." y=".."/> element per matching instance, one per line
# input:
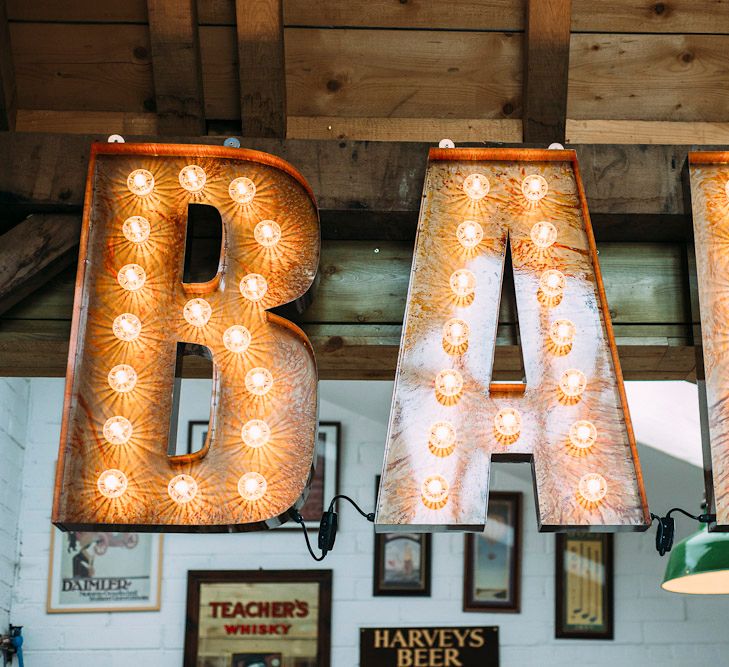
<point x="261" y="65"/>
<point x="546" y="70"/>
<point x="8" y="97"/>
<point x="33" y="252"/>
<point x="176" y="66"/>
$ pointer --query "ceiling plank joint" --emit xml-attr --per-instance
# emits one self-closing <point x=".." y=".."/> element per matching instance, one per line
<point x="546" y="70"/>
<point x="261" y="63"/>
<point x="176" y="67"/>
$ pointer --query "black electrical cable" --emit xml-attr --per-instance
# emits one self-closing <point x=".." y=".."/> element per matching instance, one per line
<point x="370" y="517"/>
<point x="300" y="520"/>
<point x="328" y="526"/>
<point x="667" y="527"/>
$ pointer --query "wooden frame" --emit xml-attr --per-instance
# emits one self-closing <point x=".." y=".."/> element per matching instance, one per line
<point x="198" y="578"/>
<point x="422" y="587"/>
<point x="513" y="601"/>
<point x="597" y="564"/>
<point x="53" y="606"/>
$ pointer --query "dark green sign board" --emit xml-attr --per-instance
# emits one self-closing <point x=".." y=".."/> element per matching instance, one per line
<point x="429" y="647"/>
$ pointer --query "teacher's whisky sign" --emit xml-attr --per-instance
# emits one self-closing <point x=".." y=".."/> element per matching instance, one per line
<point x="429" y="647"/>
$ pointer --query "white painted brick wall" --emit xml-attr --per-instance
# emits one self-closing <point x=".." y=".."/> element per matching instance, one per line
<point x="652" y="627"/>
<point x="13" y="418"/>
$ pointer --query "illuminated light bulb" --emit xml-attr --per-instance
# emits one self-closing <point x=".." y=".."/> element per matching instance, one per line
<point x="131" y="277"/>
<point x="182" y="489"/>
<point x="192" y="178"/>
<point x="117" y="430"/>
<point x="463" y="283"/>
<point x="197" y="312"/>
<point x="259" y="381"/>
<point x="112" y="483"/>
<point x="507" y="422"/>
<point x="434" y="491"/>
<point x="543" y="234"/>
<point x="592" y="487"/>
<point x="469" y="234"/>
<point x="456" y="332"/>
<point x="140" y="182"/>
<point x="572" y="383"/>
<point x="126" y="327"/>
<point x="448" y="383"/>
<point x="255" y="433"/>
<point x="136" y="229"/>
<point x="237" y="338"/>
<point x="242" y="190"/>
<point x="562" y="332"/>
<point x="583" y="434"/>
<point x="476" y="186"/>
<point x="252" y="486"/>
<point x="442" y="438"/>
<point x="551" y="283"/>
<point x="253" y="287"/>
<point x="534" y="187"/>
<point x="122" y="378"/>
<point x="267" y="233"/>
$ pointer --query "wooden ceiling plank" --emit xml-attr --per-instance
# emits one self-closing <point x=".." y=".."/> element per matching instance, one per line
<point x="8" y="93"/>
<point x="403" y="73"/>
<point x="176" y="66"/>
<point x="495" y="15"/>
<point x="631" y="16"/>
<point x="35" y="251"/>
<point x="546" y="70"/>
<point x="261" y="66"/>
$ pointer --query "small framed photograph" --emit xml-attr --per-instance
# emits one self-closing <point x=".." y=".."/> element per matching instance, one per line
<point x="402" y="562"/>
<point x="98" y="572"/>
<point x="258" y="618"/>
<point x="197" y="433"/>
<point x="584" y="579"/>
<point x="325" y="483"/>
<point x="492" y="568"/>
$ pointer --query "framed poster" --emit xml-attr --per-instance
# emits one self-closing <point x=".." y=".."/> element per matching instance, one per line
<point x="95" y="572"/>
<point x="325" y="483"/>
<point x="492" y="567"/>
<point x="258" y="618"/>
<point x="431" y="647"/>
<point x="584" y="579"/>
<point x="402" y="562"/>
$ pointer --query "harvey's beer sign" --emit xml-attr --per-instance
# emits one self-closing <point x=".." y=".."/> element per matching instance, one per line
<point x="429" y="647"/>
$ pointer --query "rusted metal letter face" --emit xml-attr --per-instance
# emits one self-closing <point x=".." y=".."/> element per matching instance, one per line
<point x="132" y="311"/>
<point x="709" y="186"/>
<point x="569" y="417"/>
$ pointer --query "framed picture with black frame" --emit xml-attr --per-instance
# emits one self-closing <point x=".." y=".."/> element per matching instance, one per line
<point x="584" y="579"/>
<point x="258" y="618"/>
<point x="325" y="482"/>
<point x="492" y="559"/>
<point x="402" y="562"/>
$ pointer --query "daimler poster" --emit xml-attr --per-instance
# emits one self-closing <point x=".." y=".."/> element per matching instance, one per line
<point x="98" y="571"/>
<point x="429" y="647"/>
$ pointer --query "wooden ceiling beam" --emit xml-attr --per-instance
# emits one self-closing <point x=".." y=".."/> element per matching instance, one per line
<point x="50" y="170"/>
<point x="35" y="251"/>
<point x="261" y="64"/>
<point x="176" y="66"/>
<point x="8" y="96"/>
<point x="546" y="70"/>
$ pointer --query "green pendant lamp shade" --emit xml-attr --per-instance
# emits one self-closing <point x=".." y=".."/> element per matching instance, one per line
<point x="699" y="565"/>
